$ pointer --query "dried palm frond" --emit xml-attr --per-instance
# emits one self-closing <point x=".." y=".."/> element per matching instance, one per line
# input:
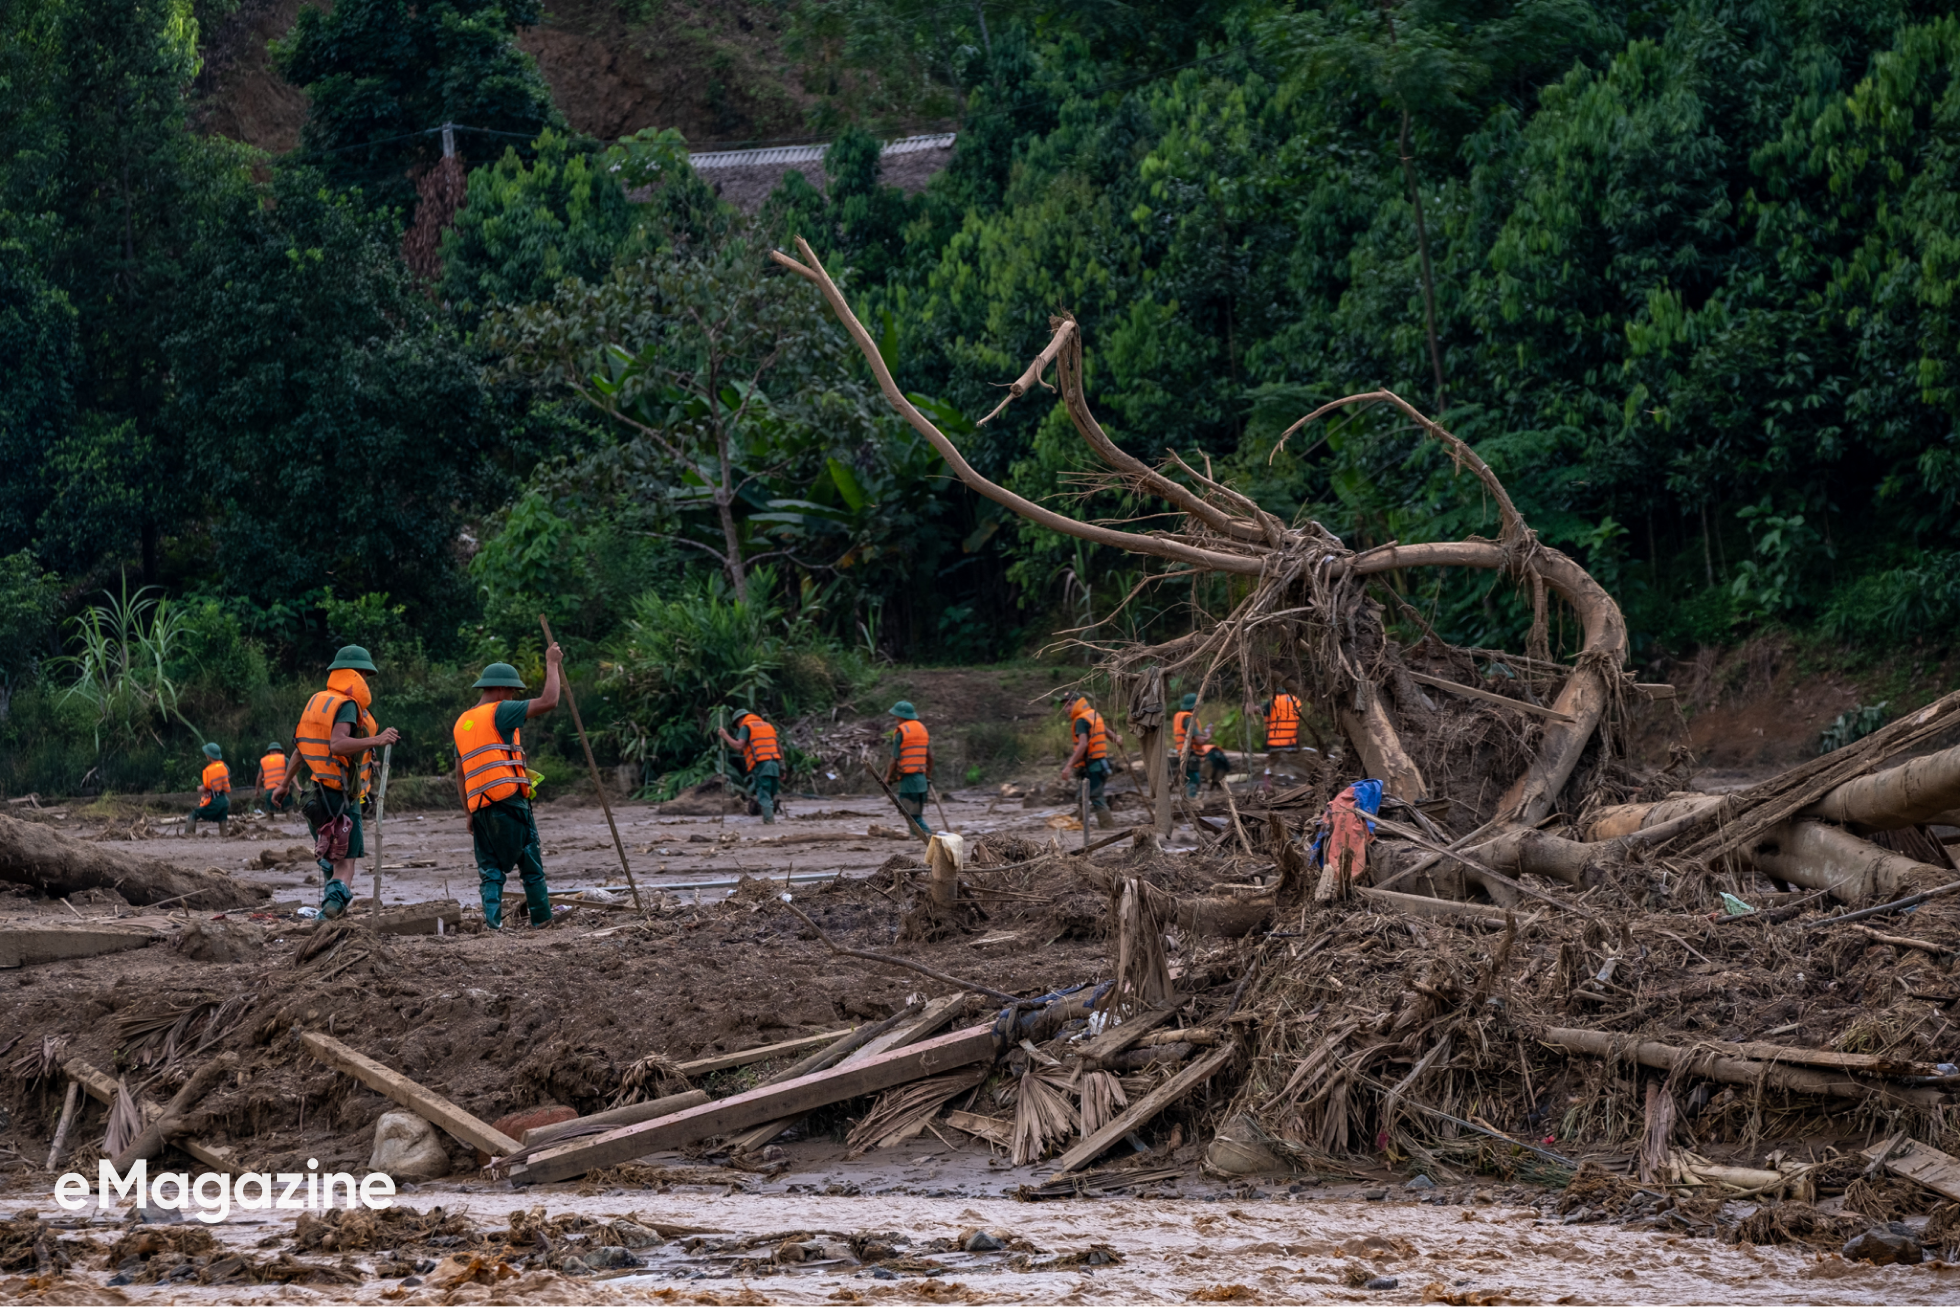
<point x="39" y="1061"/>
<point x="656" y="1072"/>
<point x="1042" y="1115"/>
<point x="1101" y="1093"/>
<point x="125" y="1121"/>
<point x="901" y="1113"/>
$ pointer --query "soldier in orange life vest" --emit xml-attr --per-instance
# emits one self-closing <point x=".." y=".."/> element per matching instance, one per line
<point x="1282" y="716"/>
<point x="333" y="757"/>
<point x="272" y="774"/>
<point x="495" y="786"/>
<point x="762" y="757"/>
<point x="213" y="793"/>
<point x="1090" y="761"/>
<point x="1192" y="746"/>
<point x="911" y="765"/>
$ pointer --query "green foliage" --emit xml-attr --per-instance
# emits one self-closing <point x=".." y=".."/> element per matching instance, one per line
<point x="1855" y="724"/>
<point x="125" y="653"/>
<point x="528" y="226"/>
<point x="380" y="75"/>
<point x="341" y="425"/>
<point x="27" y="609"/>
<point x="676" y="661"/>
<point x="37" y="391"/>
<point x="212" y="654"/>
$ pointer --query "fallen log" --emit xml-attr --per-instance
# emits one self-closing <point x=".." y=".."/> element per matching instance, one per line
<point x="1817" y="855"/>
<point x="1145" y="1109"/>
<point x="103" y="1090"/>
<point x="1920" y="1163"/>
<point x="1440" y="909"/>
<point x="757" y="1106"/>
<point x="1737" y="1071"/>
<point x="431" y="1107"/>
<point x="1914" y="793"/>
<point x="26" y="946"/>
<point x="170" y="1123"/>
<point x="59" y="865"/>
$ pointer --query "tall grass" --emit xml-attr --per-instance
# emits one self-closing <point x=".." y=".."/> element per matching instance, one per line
<point x="121" y="669"/>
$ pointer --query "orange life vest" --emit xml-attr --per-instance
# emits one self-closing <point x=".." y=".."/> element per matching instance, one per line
<point x="1283" y="723"/>
<point x="217" y="780"/>
<point x="762" y="745"/>
<point x="1181" y="727"/>
<point x="1098" y="735"/>
<point x="272" y="771"/>
<point x="314" y="739"/>
<point x="912" y="742"/>
<point x="492" y="769"/>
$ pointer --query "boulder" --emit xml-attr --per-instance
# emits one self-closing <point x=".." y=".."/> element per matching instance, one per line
<point x="1885" y="1247"/>
<point x="406" y="1147"/>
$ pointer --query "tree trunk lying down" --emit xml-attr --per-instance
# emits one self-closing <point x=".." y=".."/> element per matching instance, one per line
<point x="1739" y="1071"/>
<point x="1817" y="855"/>
<point x="60" y="865"/>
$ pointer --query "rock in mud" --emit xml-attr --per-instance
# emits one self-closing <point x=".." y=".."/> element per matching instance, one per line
<point x="406" y="1147"/>
<point x="1885" y="1248"/>
<point x="979" y="1241"/>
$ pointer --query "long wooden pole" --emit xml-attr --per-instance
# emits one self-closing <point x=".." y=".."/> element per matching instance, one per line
<point x="571" y="701"/>
<point x="380" y="810"/>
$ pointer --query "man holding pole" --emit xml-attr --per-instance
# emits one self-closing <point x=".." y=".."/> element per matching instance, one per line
<point x="334" y="757"/>
<point x="495" y="786"/>
<point x="911" y="765"/>
<point x="1090" y="762"/>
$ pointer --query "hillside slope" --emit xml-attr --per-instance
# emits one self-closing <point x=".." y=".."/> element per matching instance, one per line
<point x="715" y="70"/>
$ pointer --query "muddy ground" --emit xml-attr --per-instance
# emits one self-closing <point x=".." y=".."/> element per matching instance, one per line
<point x="507" y="1022"/>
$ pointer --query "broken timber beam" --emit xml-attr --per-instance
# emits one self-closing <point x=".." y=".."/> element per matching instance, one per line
<point x="1737" y="1071"/>
<point x="1146" y="1108"/>
<point x="1486" y="696"/>
<point x="758" y="1106"/>
<point x="1920" y="1163"/>
<point x="722" y="1061"/>
<point x="1442" y="909"/>
<point x="614" y="1117"/>
<point x="903" y="1028"/>
<point x="431" y="1107"/>
<point x="103" y="1090"/>
<point x="25" y="945"/>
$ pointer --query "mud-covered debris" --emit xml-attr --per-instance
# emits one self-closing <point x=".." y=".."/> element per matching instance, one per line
<point x="1889" y="1247"/>
<point x="406" y="1147"/>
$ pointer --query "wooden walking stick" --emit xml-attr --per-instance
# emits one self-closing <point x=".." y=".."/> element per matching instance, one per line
<point x="903" y="816"/>
<point x="571" y="701"/>
<point x="380" y="810"/>
<point x="939" y="803"/>
<point x="1082" y="792"/>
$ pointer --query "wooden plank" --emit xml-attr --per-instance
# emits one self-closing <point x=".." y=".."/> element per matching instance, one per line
<point x="1485" y="696"/>
<point x="701" y="1066"/>
<point x="928" y="1022"/>
<point x="757" y="1106"/>
<point x="994" y="1129"/>
<point x="102" y="1089"/>
<point x="1655" y="689"/>
<point x="1938" y="1171"/>
<point x="1423" y="906"/>
<point x="431" y="1107"/>
<point x="1146" y="1108"/>
<point x="1117" y="1038"/>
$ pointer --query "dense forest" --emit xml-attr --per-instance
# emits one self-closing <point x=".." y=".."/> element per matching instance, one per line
<point x="1683" y="273"/>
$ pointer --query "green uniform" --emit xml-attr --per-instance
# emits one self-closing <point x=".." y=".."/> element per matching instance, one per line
<point x="913" y="787"/>
<point x="334" y="894"/>
<point x="218" y="809"/>
<point x="765" y="778"/>
<point x="505" y="834"/>
<point x="1096" y="771"/>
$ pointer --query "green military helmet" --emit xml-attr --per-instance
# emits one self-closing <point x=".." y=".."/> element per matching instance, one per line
<point x="499" y="676"/>
<point x="904" y="711"/>
<point x="275" y="747"/>
<point x="352" y="658"/>
<point x="1190" y="703"/>
<point x="213" y="752"/>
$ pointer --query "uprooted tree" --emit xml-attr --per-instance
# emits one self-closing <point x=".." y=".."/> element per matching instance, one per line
<point x="1309" y="618"/>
